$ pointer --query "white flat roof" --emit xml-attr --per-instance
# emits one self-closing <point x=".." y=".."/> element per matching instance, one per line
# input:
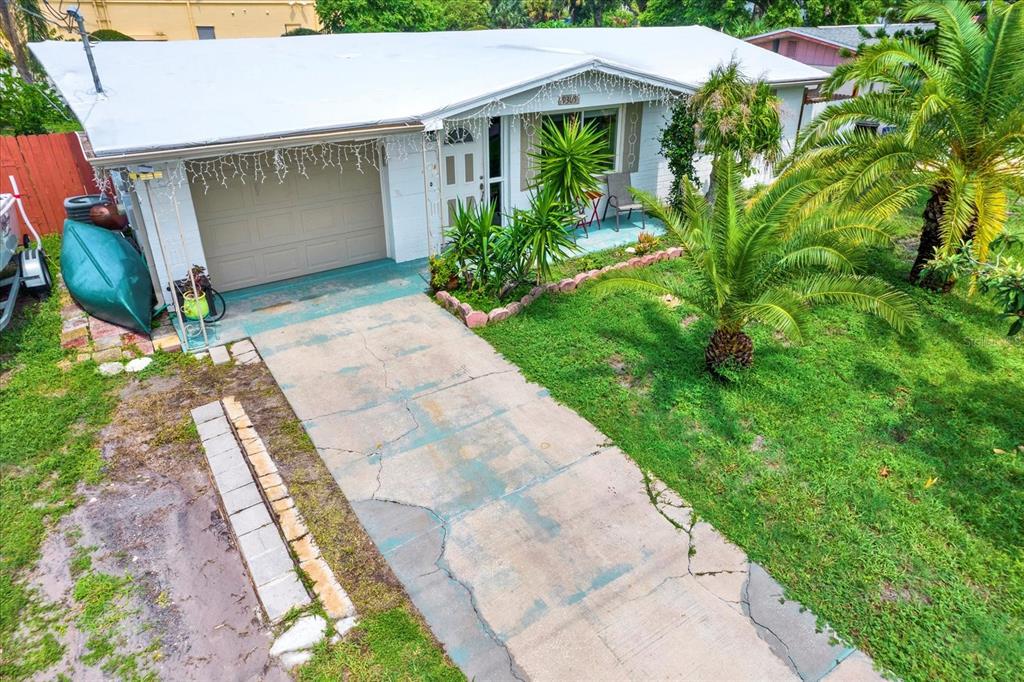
<point x="196" y="92"/>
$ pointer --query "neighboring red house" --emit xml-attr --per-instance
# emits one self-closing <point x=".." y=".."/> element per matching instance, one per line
<point x="825" y="48"/>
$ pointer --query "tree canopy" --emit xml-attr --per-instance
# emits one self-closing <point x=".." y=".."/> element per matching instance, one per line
<point x="738" y="17"/>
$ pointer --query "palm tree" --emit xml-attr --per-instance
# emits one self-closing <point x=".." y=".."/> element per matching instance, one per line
<point x="958" y="118"/>
<point x="764" y="262"/>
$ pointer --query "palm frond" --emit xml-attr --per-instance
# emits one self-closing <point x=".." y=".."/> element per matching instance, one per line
<point x="648" y="284"/>
<point x="867" y="294"/>
<point x="1001" y="63"/>
<point x="833" y="258"/>
<point x="990" y="206"/>
<point x="779" y="309"/>
<point x="958" y="213"/>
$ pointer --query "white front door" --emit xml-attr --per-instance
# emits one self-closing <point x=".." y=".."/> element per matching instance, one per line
<point x="463" y="171"/>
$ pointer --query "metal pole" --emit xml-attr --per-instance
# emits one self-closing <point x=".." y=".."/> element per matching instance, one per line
<point x="191" y="275"/>
<point x="74" y="14"/>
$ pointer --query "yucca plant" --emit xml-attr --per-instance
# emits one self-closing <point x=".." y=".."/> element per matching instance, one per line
<point x="958" y="119"/>
<point x="472" y="242"/>
<point x="764" y="261"/>
<point x="545" y="230"/>
<point x="570" y="157"/>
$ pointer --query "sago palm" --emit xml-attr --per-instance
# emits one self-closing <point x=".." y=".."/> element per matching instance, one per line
<point x="760" y="261"/>
<point x="957" y="114"/>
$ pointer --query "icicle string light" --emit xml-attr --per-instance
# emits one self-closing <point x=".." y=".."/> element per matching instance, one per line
<point x="265" y="165"/>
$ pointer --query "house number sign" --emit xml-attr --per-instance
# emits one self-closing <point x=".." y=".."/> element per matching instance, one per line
<point x="568" y="100"/>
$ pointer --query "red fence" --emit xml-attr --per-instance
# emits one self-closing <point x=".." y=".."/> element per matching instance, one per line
<point x="48" y="169"/>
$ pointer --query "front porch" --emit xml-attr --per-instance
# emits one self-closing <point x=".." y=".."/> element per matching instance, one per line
<point x="266" y="307"/>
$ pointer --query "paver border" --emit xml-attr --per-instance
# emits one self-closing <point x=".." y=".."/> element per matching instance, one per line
<point x="473" y="318"/>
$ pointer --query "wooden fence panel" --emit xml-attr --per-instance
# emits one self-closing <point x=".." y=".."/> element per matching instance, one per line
<point x="48" y="169"/>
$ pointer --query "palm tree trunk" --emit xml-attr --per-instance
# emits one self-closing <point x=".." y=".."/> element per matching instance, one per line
<point x="728" y="348"/>
<point x="931" y="234"/>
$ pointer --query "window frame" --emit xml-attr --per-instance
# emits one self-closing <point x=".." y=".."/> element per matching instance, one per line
<point x="620" y="116"/>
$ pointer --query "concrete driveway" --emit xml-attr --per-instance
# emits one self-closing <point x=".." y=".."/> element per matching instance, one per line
<point x="532" y="545"/>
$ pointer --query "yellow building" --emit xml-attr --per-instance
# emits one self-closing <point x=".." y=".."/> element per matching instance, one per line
<point x="199" y="19"/>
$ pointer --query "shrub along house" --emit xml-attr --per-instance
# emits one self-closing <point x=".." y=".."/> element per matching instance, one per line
<point x="267" y="159"/>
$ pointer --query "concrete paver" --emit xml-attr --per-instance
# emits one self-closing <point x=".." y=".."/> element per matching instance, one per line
<point x="527" y="540"/>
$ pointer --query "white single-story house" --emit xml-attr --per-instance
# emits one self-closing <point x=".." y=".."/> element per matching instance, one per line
<point x="266" y="159"/>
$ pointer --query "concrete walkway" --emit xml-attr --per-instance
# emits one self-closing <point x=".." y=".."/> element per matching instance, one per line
<point x="532" y="546"/>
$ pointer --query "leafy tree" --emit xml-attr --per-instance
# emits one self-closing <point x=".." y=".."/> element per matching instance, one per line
<point x="757" y="261"/>
<point x="21" y="22"/>
<point x="508" y="14"/>
<point x="679" y="146"/>
<point x="369" y="16"/>
<point x="541" y="11"/>
<point x="569" y="157"/>
<point x="464" y="15"/>
<point x="30" y="108"/>
<point x="108" y="35"/>
<point x="831" y="12"/>
<point x="958" y="116"/>
<point x="301" y="31"/>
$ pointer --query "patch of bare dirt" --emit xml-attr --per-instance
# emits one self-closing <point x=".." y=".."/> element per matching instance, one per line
<point x="156" y="518"/>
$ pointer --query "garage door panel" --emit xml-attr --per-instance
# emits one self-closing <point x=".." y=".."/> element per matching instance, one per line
<point x="284" y="263"/>
<point x="276" y="228"/>
<point x="320" y="221"/>
<point x="365" y="246"/>
<point x="323" y="253"/>
<point x="227" y="236"/>
<point x="360" y="183"/>
<point x="272" y="192"/>
<point x="363" y="213"/>
<point x="320" y="183"/>
<point x="241" y="270"/>
<point x="260" y="233"/>
<point x="216" y="200"/>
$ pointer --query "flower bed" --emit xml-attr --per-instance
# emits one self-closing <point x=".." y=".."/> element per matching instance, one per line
<point x="477" y="318"/>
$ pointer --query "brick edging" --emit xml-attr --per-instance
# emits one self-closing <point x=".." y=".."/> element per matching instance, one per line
<point x="477" y="318"/>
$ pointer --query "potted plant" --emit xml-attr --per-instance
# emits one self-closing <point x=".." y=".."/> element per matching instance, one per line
<point x="444" y="272"/>
<point x="194" y="303"/>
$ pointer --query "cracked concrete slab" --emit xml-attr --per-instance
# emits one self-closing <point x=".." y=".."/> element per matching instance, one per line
<point x="533" y="547"/>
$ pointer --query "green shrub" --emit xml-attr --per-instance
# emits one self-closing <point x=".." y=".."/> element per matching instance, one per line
<point x="109" y="35"/>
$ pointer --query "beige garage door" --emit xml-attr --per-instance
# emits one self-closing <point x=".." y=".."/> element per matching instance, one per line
<point x="256" y="233"/>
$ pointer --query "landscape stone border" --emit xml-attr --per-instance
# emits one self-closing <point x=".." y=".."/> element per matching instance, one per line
<point x="332" y="595"/>
<point x="270" y="532"/>
<point x="477" y="318"/>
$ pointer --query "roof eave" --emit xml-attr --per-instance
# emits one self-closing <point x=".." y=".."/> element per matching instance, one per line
<point x="157" y="154"/>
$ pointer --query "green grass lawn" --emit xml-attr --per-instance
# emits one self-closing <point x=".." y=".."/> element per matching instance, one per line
<point x="49" y="420"/>
<point x="878" y="477"/>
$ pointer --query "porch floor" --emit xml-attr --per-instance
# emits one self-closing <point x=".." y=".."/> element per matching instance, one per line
<point x="604" y="236"/>
<point x="271" y="306"/>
